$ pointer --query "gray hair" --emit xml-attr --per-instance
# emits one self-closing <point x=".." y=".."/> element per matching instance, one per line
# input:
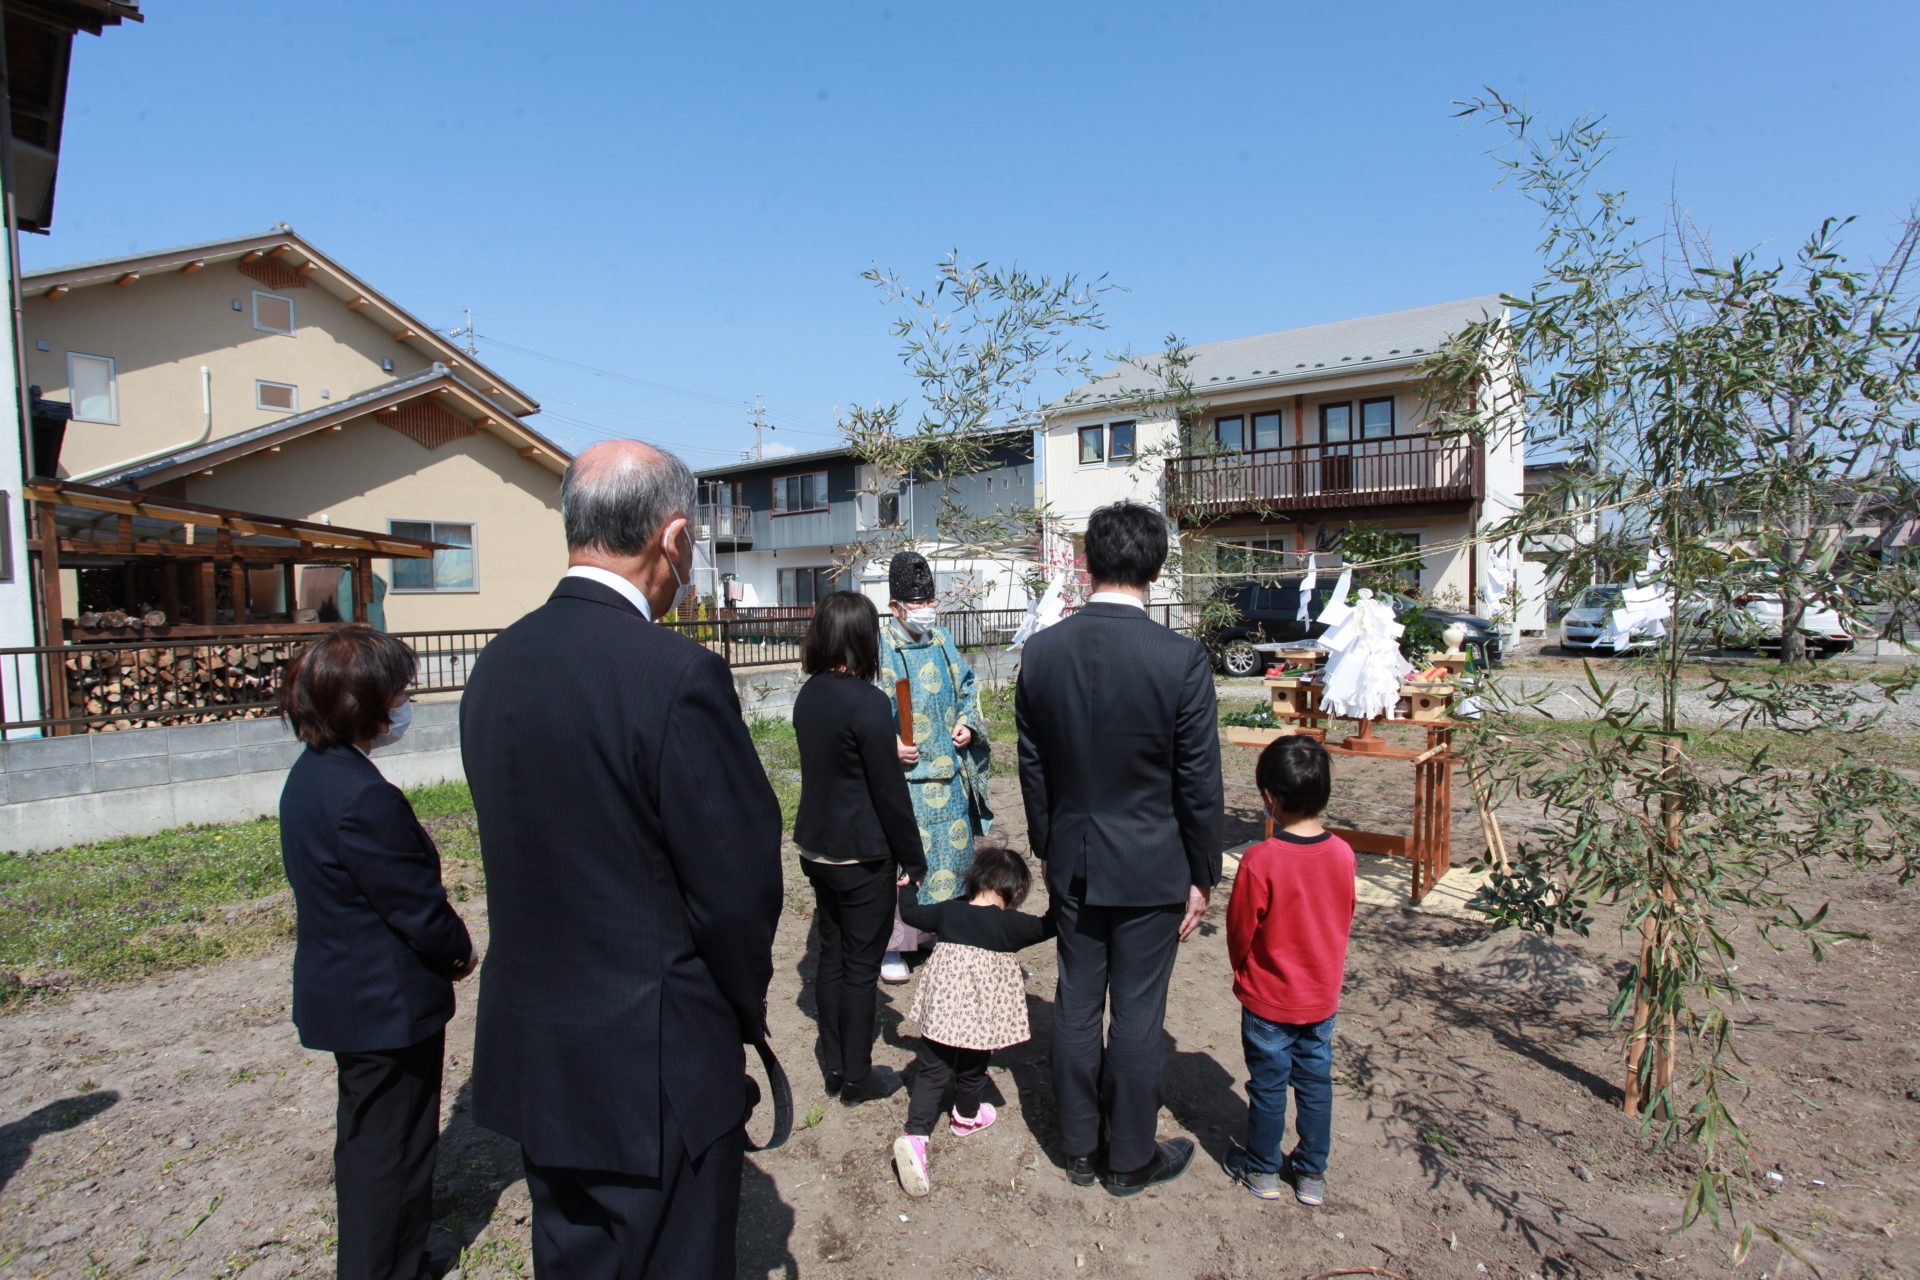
<point x="618" y="494"/>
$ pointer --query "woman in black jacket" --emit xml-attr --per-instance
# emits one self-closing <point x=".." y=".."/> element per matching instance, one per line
<point x="378" y="949"/>
<point x="855" y="832"/>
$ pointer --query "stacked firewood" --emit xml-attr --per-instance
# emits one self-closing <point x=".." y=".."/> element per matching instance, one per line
<point x="190" y="685"/>
<point x="116" y="620"/>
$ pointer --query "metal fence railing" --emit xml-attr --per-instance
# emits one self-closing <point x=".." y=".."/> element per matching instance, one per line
<point x="143" y="683"/>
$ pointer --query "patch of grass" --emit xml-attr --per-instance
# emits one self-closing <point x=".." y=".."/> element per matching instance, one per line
<point x="124" y="909"/>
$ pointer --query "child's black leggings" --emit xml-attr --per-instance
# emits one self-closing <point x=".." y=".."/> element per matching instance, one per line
<point x="939" y="1067"/>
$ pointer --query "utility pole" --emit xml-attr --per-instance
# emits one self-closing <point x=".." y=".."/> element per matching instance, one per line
<point x="759" y="427"/>
<point x="467" y="333"/>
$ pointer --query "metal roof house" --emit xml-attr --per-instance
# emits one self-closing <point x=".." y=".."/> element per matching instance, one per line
<point x="787" y="529"/>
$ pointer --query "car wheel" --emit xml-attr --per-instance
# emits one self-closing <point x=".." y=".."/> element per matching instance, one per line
<point x="1833" y="649"/>
<point x="1240" y="658"/>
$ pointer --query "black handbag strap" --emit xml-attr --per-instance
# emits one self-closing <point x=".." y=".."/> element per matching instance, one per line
<point x="782" y="1099"/>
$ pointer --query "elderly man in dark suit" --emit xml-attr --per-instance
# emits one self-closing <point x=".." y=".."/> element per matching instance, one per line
<point x="632" y="848"/>
<point x="1120" y="770"/>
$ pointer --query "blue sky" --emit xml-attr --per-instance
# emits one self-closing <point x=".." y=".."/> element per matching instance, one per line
<point x="686" y="195"/>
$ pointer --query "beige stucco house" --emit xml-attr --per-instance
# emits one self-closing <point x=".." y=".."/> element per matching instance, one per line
<point x="258" y="374"/>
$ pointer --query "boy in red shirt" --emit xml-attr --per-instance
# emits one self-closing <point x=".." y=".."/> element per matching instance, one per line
<point x="1287" y="927"/>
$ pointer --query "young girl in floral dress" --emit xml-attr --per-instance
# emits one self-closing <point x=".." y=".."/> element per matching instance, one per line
<point x="972" y="999"/>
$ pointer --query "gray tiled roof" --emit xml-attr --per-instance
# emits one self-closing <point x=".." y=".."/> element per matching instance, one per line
<point x="1291" y="355"/>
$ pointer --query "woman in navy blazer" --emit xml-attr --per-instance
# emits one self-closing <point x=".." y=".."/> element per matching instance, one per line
<point x="378" y="949"/>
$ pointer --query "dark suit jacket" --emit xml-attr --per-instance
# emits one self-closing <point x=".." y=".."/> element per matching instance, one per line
<point x="632" y="848"/>
<point x="378" y="944"/>
<point x="853" y="790"/>
<point x="1120" y="758"/>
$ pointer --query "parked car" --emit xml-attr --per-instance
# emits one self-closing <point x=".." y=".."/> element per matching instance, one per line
<point x="1269" y="614"/>
<point x="1756" y="623"/>
<point x="1582" y="625"/>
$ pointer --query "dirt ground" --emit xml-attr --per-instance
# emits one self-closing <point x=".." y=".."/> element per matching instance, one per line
<point x="176" y="1128"/>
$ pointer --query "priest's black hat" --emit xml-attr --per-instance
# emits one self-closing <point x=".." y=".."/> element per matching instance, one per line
<point x="909" y="577"/>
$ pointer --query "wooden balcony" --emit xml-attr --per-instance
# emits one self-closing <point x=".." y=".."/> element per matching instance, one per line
<point x="1404" y="470"/>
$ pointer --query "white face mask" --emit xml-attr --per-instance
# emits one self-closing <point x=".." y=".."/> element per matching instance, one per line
<point x="397" y="723"/>
<point x="921" y="620"/>
<point x="684" y="586"/>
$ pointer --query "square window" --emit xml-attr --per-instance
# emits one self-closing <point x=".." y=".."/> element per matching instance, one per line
<point x="1266" y="430"/>
<point x="1336" y="423"/>
<point x="448" y="570"/>
<point x="93" y="388"/>
<point x="804" y="492"/>
<point x="276" y="395"/>
<point x="272" y="313"/>
<point x="1093" y="445"/>
<point x="1376" y="419"/>
<point x="804" y="588"/>
<point x="1121" y="448"/>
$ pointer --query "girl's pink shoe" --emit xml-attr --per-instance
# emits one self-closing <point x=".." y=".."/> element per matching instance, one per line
<point x="910" y="1164"/>
<point x="981" y="1119"/>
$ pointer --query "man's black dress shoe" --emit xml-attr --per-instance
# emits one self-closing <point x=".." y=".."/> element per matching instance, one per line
<point x="880" y="1082"/>
<point x="835" y="1081"/>
<point x="1080" y="1171"/>
<point x="1170" y="1160"/>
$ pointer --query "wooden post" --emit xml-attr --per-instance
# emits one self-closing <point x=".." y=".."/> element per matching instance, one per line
<point x="170" y="589"/>
<point x="242" y="588"/>
<point x="53" y="668"/>
<point x="287" y="590"/>
<point x="362" y="589"/>
<point x="206" y="591"/>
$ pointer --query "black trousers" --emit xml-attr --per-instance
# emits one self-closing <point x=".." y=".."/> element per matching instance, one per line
<point x="591" y="1225"/>
<point x="386" y="1132"/>
<point x="853" y="907"/>
<point x="938" y="1068"/>
<point x="1118" y="958"/>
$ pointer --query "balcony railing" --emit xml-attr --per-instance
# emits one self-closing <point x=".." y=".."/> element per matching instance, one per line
<point x="1313" y="477"/>
<point x="726" y="522"/>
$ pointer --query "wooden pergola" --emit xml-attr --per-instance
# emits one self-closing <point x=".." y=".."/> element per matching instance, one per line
<point x="198" y="548"/>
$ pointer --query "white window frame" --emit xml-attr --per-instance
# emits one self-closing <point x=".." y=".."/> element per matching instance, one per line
<point x="473" y="546"/>
<point x="259" y="403"/>
<point x="293" y="313"/>
<point x="113" y="387"/>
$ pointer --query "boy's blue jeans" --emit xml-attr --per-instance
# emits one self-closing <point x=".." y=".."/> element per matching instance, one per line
<point x="1280" y="1054"/>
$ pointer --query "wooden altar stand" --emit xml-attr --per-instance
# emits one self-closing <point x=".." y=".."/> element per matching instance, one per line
<point x="1429" y="849"/>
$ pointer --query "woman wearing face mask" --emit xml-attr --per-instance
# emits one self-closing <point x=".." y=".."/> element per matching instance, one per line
<point x="948" y="761"/>
<point x="378" y="949"/>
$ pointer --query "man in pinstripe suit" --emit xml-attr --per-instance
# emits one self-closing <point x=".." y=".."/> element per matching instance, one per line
<point x="1120" y="771"/>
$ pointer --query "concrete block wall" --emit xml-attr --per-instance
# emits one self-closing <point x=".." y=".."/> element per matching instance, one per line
<point x="56" y="792"/>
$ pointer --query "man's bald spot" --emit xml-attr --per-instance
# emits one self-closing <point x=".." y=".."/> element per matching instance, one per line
<point x="598" y="459"/>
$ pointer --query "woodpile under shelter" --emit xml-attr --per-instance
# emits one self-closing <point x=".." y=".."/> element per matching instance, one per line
<point x="159" y="578"/>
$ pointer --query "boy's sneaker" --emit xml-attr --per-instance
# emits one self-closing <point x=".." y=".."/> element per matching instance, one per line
<point x="910" y="1164"/>
<point x="1308" y="1190"/>
<point x="1264" y="1185"/>
<point x="985" y="1116"/>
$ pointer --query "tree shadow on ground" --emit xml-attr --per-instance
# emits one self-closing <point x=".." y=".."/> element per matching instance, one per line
<point x="766" y="1227"/>
<point x="18" y="1137"/>
<point x="475" y="1168"/>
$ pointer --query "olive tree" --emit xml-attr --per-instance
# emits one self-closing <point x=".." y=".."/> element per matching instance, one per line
<point x="1704" y="405"/>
